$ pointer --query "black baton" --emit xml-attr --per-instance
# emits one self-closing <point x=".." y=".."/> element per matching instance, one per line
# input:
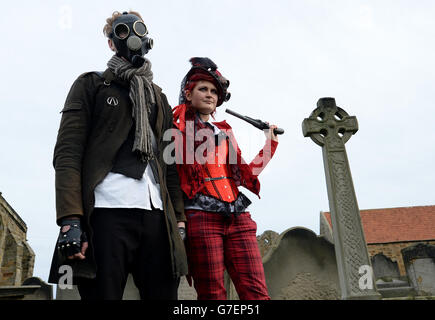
<point x="255" y="122"/>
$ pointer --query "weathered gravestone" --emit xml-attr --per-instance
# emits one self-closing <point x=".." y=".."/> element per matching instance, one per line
<point x="389" y="282"/>
<point x="419" y="262"/>
<point x="385" y="268"/>
<point x="298" y="265"/>
<point x="331" y="127"/>
<point x="301" y="266"/>
<point x="44" y="292"/>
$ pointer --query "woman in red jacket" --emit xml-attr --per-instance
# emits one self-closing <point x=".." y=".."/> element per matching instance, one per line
<point x="220" y="232"/>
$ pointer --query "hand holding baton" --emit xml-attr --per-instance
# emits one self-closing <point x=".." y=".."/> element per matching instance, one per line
<point x="255" y="122"/>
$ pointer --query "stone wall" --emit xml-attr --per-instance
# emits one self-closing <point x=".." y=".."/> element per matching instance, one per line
<point x="16" y="256"/>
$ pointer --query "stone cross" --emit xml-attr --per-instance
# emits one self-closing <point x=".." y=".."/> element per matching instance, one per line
<point x="331" y="127"/>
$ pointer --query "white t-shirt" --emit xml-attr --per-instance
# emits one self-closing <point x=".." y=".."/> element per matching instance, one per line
<point x="119" y="191"/>
<point x="216" y="129"/>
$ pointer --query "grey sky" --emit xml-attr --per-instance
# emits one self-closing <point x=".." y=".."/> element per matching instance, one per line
<point x="375" y="57"/>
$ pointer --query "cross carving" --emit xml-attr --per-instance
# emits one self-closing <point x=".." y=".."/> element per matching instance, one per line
<point x="331" y="127"/>
<point x="329" y="123"/>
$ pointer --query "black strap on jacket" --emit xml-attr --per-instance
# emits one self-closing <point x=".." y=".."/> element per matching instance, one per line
<point x="108" y="76"/>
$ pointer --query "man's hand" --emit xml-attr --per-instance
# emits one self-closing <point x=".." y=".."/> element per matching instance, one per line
<point x="72" y="242"/>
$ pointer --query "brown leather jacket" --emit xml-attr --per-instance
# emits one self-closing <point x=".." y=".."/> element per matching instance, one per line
<point x="92" y="129"/>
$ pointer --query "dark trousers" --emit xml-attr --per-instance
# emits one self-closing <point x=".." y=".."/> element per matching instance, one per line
<point x="130" y="241"/>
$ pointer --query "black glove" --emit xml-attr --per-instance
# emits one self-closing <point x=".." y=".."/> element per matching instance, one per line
<point x="182" y="232"/>
<point x="70" y="237"/>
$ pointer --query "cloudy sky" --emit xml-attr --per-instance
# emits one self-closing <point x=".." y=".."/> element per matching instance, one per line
<point x="376" y="58"/>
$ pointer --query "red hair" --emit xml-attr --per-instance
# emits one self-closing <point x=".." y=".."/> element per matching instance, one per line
<point x="196" y="77"/>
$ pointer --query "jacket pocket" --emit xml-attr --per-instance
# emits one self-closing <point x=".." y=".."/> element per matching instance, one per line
<point x="73" y="116"/>
<point x="72" y="106"/>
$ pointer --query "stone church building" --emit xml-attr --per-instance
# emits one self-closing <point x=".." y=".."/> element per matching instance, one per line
<point x="16" y="256"/>
<point x="17" y="260"/>
<point x="400" y="242"/>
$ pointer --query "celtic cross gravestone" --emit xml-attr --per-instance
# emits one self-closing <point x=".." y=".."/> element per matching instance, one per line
<point x="331" y="127"/>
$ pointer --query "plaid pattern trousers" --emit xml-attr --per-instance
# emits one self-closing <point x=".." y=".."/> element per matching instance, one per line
<point x="216" y="243"/>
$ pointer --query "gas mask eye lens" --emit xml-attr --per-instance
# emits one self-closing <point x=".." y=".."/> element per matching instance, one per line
<point x="121" y="31"/>
<point x="140" y="28"/>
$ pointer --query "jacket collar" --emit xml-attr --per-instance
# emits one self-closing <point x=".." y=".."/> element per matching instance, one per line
<point x="222" y="125"/>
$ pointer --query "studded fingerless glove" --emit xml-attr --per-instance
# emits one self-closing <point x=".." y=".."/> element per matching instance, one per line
<point x="70" y="237"/>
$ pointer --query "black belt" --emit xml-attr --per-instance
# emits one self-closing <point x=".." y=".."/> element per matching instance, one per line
<point x="207" y="203"/>
<point x="218" y="178"/>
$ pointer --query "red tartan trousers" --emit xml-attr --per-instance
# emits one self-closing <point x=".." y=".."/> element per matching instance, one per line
<point x="216" y="243"/>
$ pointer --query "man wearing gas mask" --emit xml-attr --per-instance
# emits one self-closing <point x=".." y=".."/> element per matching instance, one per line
<point x="119" y="205"/>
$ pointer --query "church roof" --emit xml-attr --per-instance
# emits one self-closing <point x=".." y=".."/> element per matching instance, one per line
<point x="6" y="207"/>
<point x="396" y="224"/>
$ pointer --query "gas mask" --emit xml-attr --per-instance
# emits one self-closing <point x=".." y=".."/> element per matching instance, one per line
<point x="129" y="36"/>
